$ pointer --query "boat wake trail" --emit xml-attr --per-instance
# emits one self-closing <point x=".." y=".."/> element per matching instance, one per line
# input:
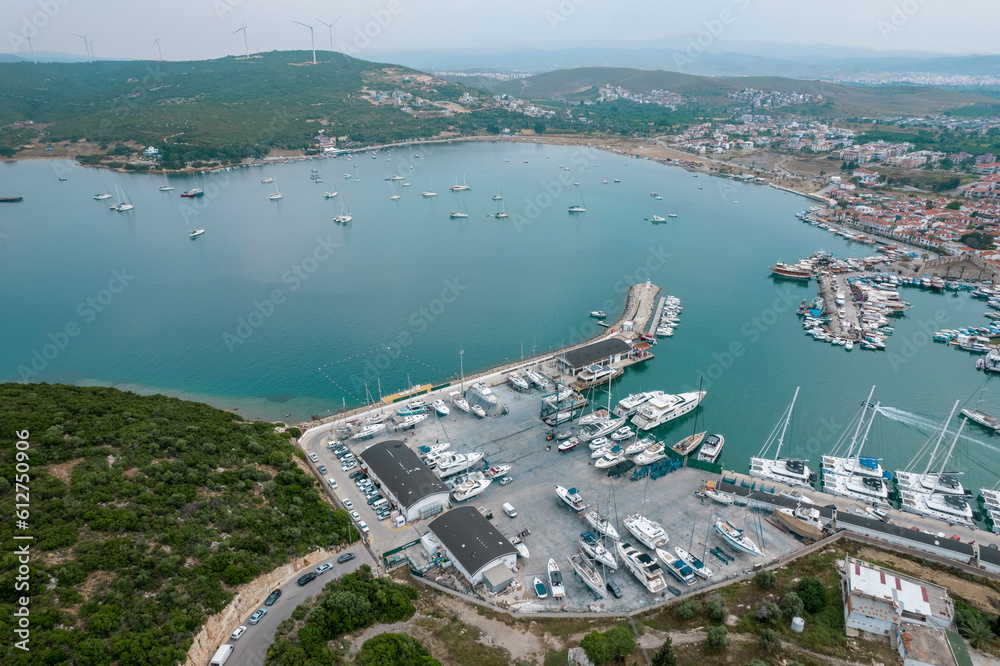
<point x="926" y="425"/>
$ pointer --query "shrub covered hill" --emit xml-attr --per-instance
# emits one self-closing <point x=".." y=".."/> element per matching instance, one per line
<point x="229" y="108"/>
<point x="146" y="511"/>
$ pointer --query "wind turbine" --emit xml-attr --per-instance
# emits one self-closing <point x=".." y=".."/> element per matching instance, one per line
<point x="32" y="47"/>
<point x="91" y="44"/>
<point x="156" y="43"/>
<point x="85" y="45"/>
<point x="244" y="31"/>
<point x="330" y="27"/>
<point x="312" y="37"/>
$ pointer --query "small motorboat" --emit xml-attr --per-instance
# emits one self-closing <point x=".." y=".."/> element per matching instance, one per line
<point x="569" y="444"/>
<point x="540" y="590"/>
<point x="479" y="411"/>
<point x="440" y="407"/>
<point x="194" y="233"/>
<point x="622" y="433"/>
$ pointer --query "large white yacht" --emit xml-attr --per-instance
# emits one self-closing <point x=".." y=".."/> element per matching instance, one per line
<point x="571" y="497"/>
<point x="454" y="463"/>
<point x="643" y="567"/>
<point x="935" y="482"/>
<point x="649" y="532"/>
<point x="677" y="567"/>
<point x="666" y="407"/>
<point x="950" y="508"/>
<point x="865" y="488"/>
<point x="654" y="452"/>
<point x="474" y="485"/>
<point x="630" y="405"/>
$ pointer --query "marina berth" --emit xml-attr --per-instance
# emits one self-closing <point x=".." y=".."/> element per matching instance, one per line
<point x="643" y="567"/>
<point x="648" y="532"/>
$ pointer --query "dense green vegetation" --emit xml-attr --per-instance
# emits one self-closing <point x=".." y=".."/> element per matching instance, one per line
<point x="167" y="506"/>
<point x="227" y="109"/>
<point x="603" y="646"/>
<point x="355" y="601"/>
<point x="394" y="650"/>
<point x="947" y="141"/>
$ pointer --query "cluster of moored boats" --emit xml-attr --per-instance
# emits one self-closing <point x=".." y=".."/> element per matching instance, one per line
<point x="670" y="317"/>
<point x="602" y="547"/>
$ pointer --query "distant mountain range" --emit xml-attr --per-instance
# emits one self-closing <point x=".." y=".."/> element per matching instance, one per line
<point x="820" y="62"/>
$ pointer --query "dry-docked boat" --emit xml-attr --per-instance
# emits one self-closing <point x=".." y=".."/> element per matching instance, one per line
<point x="643" y="567"/>
<point x="571" y="497"/>
<point x="588" y="573"/>
<point x="649" y="532"/>
<point x="736" y="538"/>
<point x="601" y="524"/>
<point x="804" y="521"/>
<point x="677" y="567"/>
<point x="696" y="565"/>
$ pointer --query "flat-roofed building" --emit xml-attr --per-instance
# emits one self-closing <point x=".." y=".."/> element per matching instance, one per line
<point x="410" y="485"/>
<point x="474" y="546"/>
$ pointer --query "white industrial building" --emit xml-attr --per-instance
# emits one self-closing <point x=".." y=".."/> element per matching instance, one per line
<point x="477" y="549"/>
<point x="409" y="484"/>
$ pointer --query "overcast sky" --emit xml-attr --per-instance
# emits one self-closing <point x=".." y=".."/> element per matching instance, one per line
<point x="200" y="29"/>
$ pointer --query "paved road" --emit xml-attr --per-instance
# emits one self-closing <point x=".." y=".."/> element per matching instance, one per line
<point x="252" y="647"/>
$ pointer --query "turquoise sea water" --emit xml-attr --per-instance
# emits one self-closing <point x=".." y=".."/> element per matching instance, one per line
<point x="277" y="311"/>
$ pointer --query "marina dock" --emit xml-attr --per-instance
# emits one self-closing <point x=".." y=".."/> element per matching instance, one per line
<point x="651" y="329"/>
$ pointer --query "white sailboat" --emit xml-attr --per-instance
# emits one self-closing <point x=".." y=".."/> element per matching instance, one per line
<point x="166" y="187"/>
<point x="462" y="214"/>
<point x="123" y="203"/>
<point x="736" y="538"/>
<point x="593" y="547"/>
<point x="936" y="482"/>
<point x="588" y="573"/>
<point x="578" y="208"/>
<point x="855" y="463"/>
<point x="276" y="195"/>
<point x="665" y="408"/>
<point x="461" y="187"/>
<point x="791" y="471"/>
<point x="344" y="217"/>
<point x="601" y="524"/>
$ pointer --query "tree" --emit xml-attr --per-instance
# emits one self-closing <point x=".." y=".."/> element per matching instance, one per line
<point x="595" y="646"/>
<point x="665" y="656"/>
<point x="792" y="605"/>
<point x="717" y="638"/>
<point x="767" y="611"/>
<point x="770" y="641"/>
<point x="395" y="650"/>
<point x="953" y="205"/>
<point x="687" y="609"/>
<point x="765" y="579"/>
<point x="621" y="640"/>
<point x="813" y="594"/>
<point x="716" y="608"/>
<point x="540" y="129"/>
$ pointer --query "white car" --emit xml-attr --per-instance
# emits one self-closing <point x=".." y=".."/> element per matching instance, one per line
<point x="355" y="516"/>
<point x="323" y="568"/>
<point x="348" y="504"/>
<point x="240" y="630"/>
<point x="333" y="484"/>
<point x="313" y="457"/>
<point x="349" y="466"/>
<point x="363" y="526"/>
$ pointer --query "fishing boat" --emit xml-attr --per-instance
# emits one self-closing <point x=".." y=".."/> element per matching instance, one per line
<point x="676" y="567"/>
<point x="588" y="573"/>
<point x="459" y="401"/>
<point x="194" y="233"/>
<point x="571" y="498"/>
<point x="471" y="487"/>
<point x="453" y="463"/>
<point x="479" y="411"/>
<point x="193" y="192"/>
<point x="804" y="521"/>
<point x="697" y="566"/>
<point x="540" y="590"/>
<point x="656" y="451"/>
<point x="593" y="547"/>
<point x="648" y="532"/>
<point x="643" y="567"/>
<point x="791" y="471"/>
<point x="688" y="444"/>
<point x="601" y="524"/>
<point x="440" y="407"/>
<point x="555" y="579"/>
<point x="611" y="457"/>
<point x="712" y="448"/>
<point x="665" y="408"/>
<point x="736" y="538"/>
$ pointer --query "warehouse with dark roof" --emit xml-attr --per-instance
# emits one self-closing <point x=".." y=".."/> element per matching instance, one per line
<point x="474" y="545"/>
<point x="573" y="361"/>
<point x="409" y="484"/>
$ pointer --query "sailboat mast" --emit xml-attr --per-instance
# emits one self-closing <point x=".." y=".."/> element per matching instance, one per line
<point x="865" y="438"/>
<point x="864" y="408"/>
<point x="788" y="417"/>
<point x="950" y="449"/>
<point x="930" y="461"/>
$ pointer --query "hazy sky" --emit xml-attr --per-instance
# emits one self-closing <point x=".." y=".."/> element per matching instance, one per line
<point x="199" y="29"/>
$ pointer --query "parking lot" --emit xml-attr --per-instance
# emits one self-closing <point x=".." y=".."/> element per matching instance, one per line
<point x="519" y="439"/>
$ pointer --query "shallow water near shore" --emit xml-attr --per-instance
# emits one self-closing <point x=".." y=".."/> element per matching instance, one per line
<point x="277" y="311"/>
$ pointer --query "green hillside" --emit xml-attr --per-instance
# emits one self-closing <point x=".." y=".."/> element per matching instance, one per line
<point x="231" y="107"/>
<point x="145" y="512"/>
<point x="841" y="101"/>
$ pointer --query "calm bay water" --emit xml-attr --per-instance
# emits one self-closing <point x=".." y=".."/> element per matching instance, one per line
<point x="277" y="311"/>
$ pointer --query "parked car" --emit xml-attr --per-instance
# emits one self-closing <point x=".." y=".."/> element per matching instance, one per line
<point x="346" y="557"/>
<point x="357" y="474"/>
<point x="348" y="466"/>
<point x="322" y="469"/>
<point x="348" y="504"/>
<point x="332" y="482"/>
<point x="504" y="480"/>
<point x="271" y="598"/>
<point x="240" y="630"/>
<point x="374" y="497"/>
<point x="308" y="578"/>
<point x="323" y="568"/>
<point x="614" y="589"/>
<point x="363" y="526"/>
<point x="355" y="516"/>
<point x="258" y="615"/>
<point x="313" y="457"/>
